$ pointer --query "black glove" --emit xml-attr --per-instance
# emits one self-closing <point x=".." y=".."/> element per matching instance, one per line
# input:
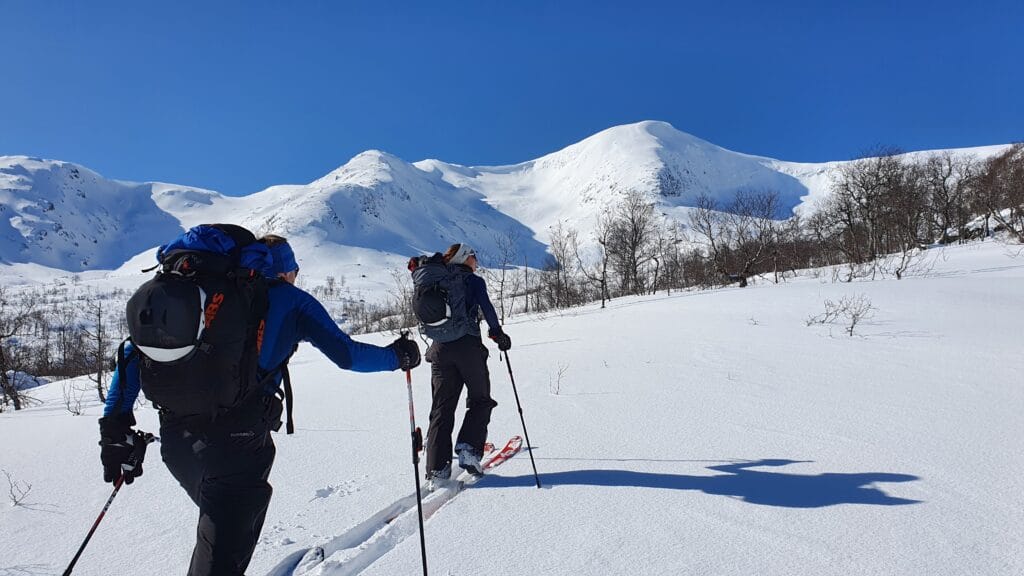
<point x="503" y="341"/>
<point x="122" y="450"/>
<point x="408" y="352"/>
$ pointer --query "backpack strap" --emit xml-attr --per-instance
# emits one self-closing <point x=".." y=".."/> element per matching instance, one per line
<point x="288" y="397"/>
<point x="289" y="400"/>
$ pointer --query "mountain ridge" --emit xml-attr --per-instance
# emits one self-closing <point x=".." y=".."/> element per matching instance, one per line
<point x="65" y="216"/>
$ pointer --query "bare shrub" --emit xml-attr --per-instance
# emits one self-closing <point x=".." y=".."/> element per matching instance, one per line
<point x="73" y="399"/>
<point x="17" y="490"/>
<point x="830" y="315"/>
<point x="854" y="309"/>
<point x="555" y="382"/>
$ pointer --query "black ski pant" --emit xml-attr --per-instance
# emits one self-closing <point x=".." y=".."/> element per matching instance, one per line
<point x="452" y="366"/>
<point x="224" y="470"/>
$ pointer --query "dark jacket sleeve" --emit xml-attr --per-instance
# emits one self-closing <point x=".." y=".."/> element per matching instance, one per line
<point x="124" y="391"/>
<point x="477" y="289"/>
<point x="316" y="327"/>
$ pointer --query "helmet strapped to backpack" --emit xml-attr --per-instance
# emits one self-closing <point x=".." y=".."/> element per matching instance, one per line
<point x="198" y="324"/>
<point x="439" y="298"/>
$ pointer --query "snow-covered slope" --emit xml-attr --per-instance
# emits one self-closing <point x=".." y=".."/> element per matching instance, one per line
<point x="378" y="201"/>
<point x="65" y="216"/>
<point x="374" y="210"/>
<point x="818" y="178"/>
<point x="577" y="183"/>
<point x="377" y="209"/>
<point x="708" y="433"/>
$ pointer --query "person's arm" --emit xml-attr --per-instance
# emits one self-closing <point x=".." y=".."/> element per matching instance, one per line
<point x="122" y="449"/>
<point x="124" y="386"/>
<point x="316" y="327"/>
<point x="478" y="294"/>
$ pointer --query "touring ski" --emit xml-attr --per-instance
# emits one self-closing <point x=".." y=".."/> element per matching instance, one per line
<point x="366" y="542"/>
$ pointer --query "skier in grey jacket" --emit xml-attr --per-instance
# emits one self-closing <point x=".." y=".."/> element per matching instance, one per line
<point x="458" y="363"/>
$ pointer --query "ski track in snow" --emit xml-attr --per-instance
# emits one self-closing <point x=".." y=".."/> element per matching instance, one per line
<point x="360" y="546"/>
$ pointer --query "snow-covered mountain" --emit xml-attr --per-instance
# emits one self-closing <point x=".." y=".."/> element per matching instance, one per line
<point x="68" y="217"/>
<point x="377" y="209"/>
<point x="577" y="183"/>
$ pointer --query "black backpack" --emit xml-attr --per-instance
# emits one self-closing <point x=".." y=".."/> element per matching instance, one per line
<point x="198" y="325"/>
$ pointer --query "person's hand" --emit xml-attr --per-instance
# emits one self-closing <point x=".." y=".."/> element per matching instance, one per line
<point x="122" y="450"/>
<point x="503" y="341"/>
<point x="408" y="352"/>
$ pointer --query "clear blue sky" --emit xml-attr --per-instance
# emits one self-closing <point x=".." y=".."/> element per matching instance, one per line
<point x="237" y="96"/>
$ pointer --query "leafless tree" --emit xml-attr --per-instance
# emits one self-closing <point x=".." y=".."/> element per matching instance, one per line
<point x="999" y="191"/>
<point x="526" y="282"/>
<point x="557" y="277"/>
<point x="862" y="190"/>
<point x="70" y="339"/>
<point x="15" y="315"/>
<point x="741" y="236"/>
<point x="630" y="242"/>
<point x="752" y="230"/>
<point x="98" y="353"/>
<point x="507" y="245"/>
<point x="879" y="205"/>
<point x="793" y="249"/>
<point x="671" y="256"/>
<point x="596" y="272"/>
<point x="706" y="221"/>
<point x="947" y="178"/>
<point x="399" y="309"/>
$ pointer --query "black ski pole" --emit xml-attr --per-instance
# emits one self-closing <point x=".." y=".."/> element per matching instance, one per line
<point x="417" y="444"/>
<point x="529" y="446"/>
<point x="134" y="461"/>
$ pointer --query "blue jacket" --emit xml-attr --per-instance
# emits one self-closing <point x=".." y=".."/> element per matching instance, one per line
<point x="294" y="316"/>
<point x="477" y="300"/>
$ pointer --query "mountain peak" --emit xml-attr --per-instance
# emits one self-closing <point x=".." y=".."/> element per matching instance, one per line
<point x="367" y="169"/>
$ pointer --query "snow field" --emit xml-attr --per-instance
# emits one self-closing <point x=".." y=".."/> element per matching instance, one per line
<point x="698" y="433"/>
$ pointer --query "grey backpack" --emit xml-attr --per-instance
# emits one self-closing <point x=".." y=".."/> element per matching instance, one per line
<point x="439" y="298"/>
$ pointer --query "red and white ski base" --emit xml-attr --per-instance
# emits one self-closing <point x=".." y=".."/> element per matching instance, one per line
<point x="512" y="447"/>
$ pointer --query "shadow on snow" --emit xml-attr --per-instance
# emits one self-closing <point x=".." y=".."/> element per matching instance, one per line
<point x="738" y="481"/>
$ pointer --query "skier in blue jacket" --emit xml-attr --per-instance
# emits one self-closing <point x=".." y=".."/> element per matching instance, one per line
<point x="224" y="466"/>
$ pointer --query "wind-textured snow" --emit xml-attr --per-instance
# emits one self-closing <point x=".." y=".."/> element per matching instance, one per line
<point x="708" y="433"/>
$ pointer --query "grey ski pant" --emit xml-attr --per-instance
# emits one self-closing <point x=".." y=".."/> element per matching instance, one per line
<point x="452" y="366"/>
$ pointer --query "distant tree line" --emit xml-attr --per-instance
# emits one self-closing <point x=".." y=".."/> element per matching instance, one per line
<point x="884" y="208"/>
<point x="63" y="330"/>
